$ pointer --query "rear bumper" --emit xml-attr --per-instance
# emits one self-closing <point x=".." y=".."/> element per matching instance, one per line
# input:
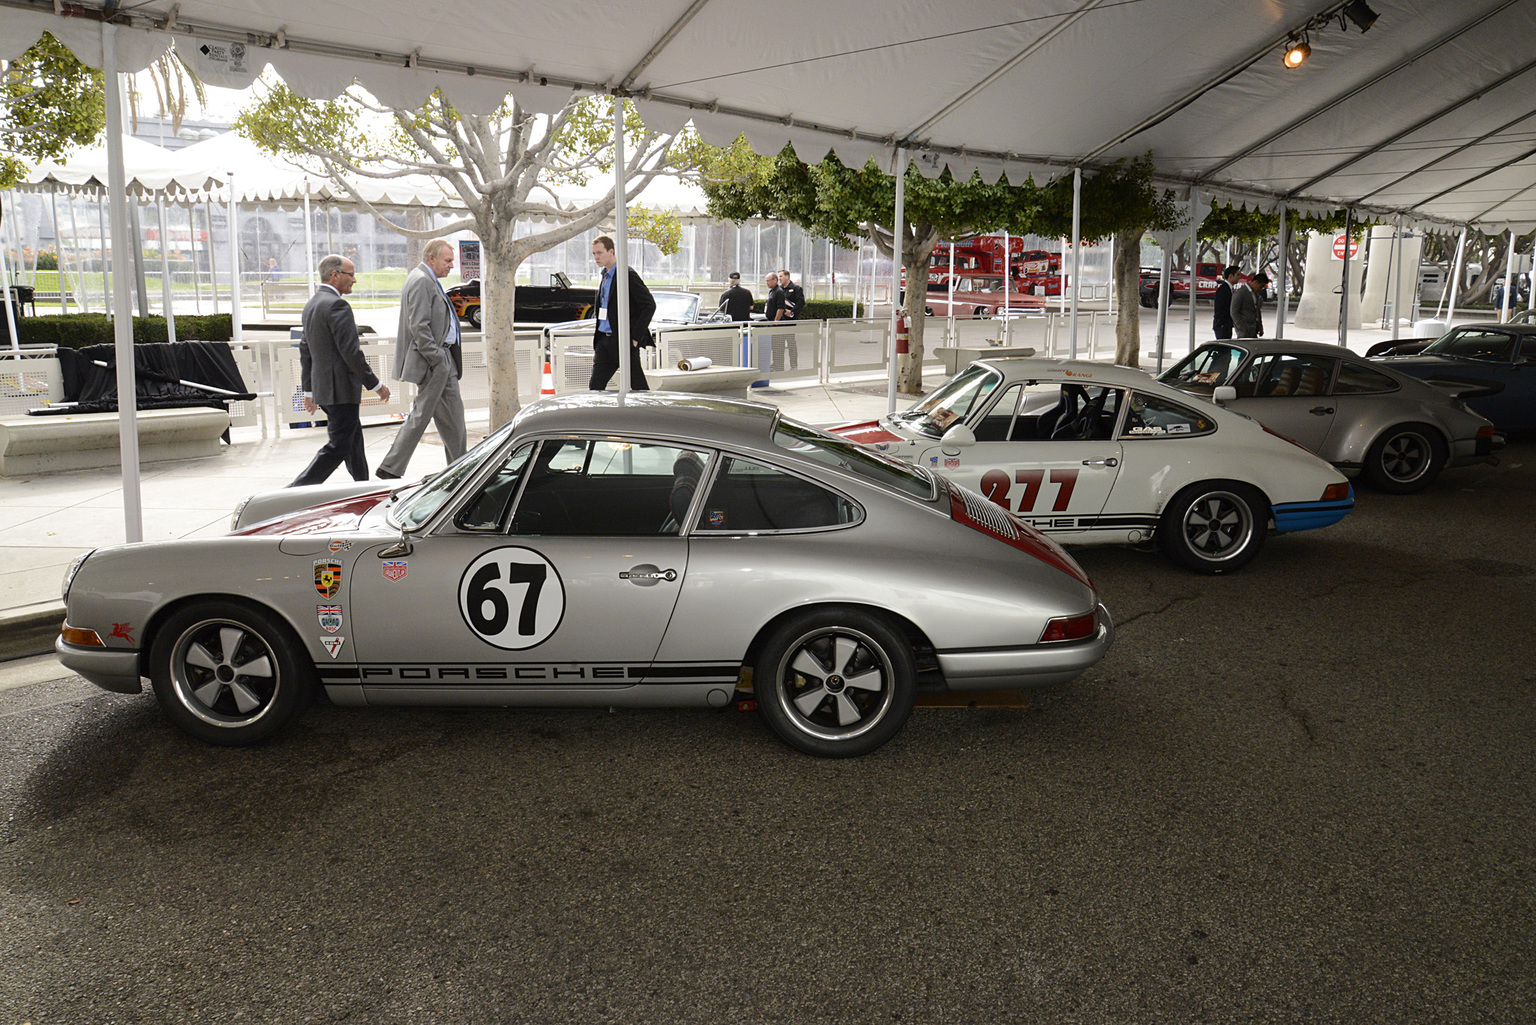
<point x="1466" y="451"/>
<point x="107" y="668"/>
<point x="1296" y="516"/>
<point x="1043" y="665"/>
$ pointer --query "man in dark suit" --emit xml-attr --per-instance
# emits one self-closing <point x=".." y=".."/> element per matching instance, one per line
<point x="737" y="300"/>
<point x="335" y="373"/>
<point x="605" y="346"/>
<point x="1221" y="320"/>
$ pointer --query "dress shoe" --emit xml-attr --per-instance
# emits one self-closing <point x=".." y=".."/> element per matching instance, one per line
<point x="386" y="475"/>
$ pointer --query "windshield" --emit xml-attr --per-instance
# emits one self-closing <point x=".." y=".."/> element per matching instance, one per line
<point x="1205" y="368"/>
<point x="844" y="455"/>
<point x="675" y="308"/>
<point x="1475" y="343"/>
<point x="436" y="490"/>
<point x="952" y="402"/>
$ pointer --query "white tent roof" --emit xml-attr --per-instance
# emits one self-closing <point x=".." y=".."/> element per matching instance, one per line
<point x="1429" y="113"/>
<point x="149" y="169"/>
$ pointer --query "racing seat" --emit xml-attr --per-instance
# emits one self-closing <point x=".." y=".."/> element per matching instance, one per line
<point x="1286" y="384"/>
<point x="686" y="472"/>
<point x="1081" y="427"/>
<point x="1062" y="414"/>
<point x="1314" y="381"/>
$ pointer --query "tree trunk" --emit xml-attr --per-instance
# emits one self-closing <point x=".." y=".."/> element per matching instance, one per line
<point x="909" y="369"/>
<point x="1128" y="288"/>
<point x="498" y="295"/>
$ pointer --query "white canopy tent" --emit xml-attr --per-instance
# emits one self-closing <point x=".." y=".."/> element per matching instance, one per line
<point x="149" y="170"/>
<point x="1426" y="117"/>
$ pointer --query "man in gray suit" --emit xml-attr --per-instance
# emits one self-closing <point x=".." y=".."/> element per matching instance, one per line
<point x="427" y="355"/>
<point x="334" y="373"/>
<point x="1247" y="298"/>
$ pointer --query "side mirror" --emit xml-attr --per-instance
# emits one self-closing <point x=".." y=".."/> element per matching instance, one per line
<point x="958" y="437"/>
<point x="1223" y="393"/>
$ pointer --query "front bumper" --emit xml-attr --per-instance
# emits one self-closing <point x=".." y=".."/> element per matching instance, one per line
<point x="1310" y="515"/>
<point x="107" y="668"/>
<point x="1041" y="665"/>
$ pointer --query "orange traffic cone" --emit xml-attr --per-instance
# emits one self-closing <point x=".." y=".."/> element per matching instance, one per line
<point x="547" y="386"/>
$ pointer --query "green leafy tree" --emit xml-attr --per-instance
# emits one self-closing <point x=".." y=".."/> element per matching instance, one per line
<point x="502" y="166"/>
<point x="52" y="104"/>
<point x="1255" y="237"/>
<point x="846" y="204"/>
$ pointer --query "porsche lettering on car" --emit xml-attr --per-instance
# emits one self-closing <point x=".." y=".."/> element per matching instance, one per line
<point x="595" y="552"/>
<point x="1094" y="454"/>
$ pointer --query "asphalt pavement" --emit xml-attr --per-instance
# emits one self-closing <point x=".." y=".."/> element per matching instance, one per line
<point x="1303" y="793"/>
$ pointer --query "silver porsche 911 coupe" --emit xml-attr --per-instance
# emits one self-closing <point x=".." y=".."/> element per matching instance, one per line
<point x="598" y="552"/>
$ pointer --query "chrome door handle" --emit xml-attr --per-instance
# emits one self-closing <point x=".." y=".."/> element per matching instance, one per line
<point x="1320" y="410"/>
<point x="648" y="576"/>
<point x="1111" y="461"/>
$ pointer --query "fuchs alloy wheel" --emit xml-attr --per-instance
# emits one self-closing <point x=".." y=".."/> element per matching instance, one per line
<point x="229" y="674"/>
<point x="1405" y="459"/>
<point x="474" y="315"/>
<point x="1215" y="526"/>
<point x="836" y="682"/>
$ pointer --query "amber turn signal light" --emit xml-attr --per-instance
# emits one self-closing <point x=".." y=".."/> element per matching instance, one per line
<point x="83" y="638"/>
<point x="1336" y="492"/>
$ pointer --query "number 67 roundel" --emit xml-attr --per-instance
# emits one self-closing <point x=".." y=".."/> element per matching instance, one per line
<point x="512" y="598"/>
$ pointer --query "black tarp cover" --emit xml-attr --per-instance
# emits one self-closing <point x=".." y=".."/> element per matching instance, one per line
<point x="159" y="366"/>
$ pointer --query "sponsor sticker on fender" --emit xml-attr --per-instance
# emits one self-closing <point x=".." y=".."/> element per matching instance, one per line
<point x="327" y="578"/>
<point x="341" y="546"/>
<point x="330" y="617"/>
<point x="333" y="644"/>
<point x="396" y="569"/>
<point x="123" y="631"/>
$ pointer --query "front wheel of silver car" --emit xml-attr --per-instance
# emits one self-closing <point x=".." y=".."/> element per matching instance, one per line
<point x="836" y="683"/>
<point x="1214" y="526"/>
<point x="1405" y="459"/>
<point x="229" y="673"/>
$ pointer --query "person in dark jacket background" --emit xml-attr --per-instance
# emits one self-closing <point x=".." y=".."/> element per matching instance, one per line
<point x="642" y="306"/>
<point x="737" y="300"/>
<point x="1221" y="320"/>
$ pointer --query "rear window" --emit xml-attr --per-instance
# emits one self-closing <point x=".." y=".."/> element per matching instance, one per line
<point x="1475" y="343"/>
<point x="1152" y="416"/>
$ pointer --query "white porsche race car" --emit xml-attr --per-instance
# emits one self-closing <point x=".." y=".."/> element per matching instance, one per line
<point x="1095" y="454"/>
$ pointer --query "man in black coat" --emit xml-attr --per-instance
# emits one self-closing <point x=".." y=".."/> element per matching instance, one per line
<point x="1221" y="320"/>
<point x="737" y="300"/>
<point x="642" y="305"/>
<point x="334" y="373"/>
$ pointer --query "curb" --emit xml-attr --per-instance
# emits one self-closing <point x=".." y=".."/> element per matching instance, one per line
<point x="29" y="630"/>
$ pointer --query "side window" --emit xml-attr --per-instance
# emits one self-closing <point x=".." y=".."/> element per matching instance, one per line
<point x="1282" y="374"/>
<point x="749" y="496"/>
<point x="488" y="508"/>
<point x="1151" y="416"/>
<point x="605" y="488"/>
<point x="994" y="426"/>
<point x="1084" y="414"/>
<point x="1357" y="380"/>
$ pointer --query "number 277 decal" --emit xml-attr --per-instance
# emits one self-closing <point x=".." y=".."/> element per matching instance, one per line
<point x="995" y="485"/>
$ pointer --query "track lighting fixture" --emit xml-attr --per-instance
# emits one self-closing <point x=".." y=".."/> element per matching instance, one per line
<point x="1296" y="51"/>
<point x="1361" y="14"/>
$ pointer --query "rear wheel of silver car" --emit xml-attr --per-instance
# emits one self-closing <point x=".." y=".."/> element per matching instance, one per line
<point x="229" y="673"/>
<point x="1214" y="526"/>
<point x="836" y="682"/>
<point x="1405" y="459"/>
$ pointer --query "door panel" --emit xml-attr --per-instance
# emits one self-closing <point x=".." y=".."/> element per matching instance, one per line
<point x="1059" y="487"/>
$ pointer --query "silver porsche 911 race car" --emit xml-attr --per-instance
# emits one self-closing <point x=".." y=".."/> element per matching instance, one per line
<point x="600" y="553"/>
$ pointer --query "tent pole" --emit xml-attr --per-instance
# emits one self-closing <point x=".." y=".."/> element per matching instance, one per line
<point x="1397" y="290"/>
<point x="1349" y="237"/>
<point x="858" y="268"/>
<point x="5" y="282"/>
<point x="310" y="273"/>
<point x="1007" y="266"/>
<point x="1282" y="286"/>
<point x="1509" y="278"/>
<point x="1461" y="248"/>
<point x="101" y="238"/>
<point x="1530" y="291"/>
<point x="58" y="256"/>
<point x="621" y="248"/>
<point x="122" y="321"/>
<point x="1194" y="263"/>
<point x="1077" y="254"/>
<point x="136" y="225"/>
<point x="1164" y="291"/>
<point x="236" y="314"/>
<point x="953" y="338"/>
<point x="74" y="232"/>
<point x="898" y="247"/>
<point x="165" y="277"/>
<point x="213" y="258"/>
<point x="197" y="277"/>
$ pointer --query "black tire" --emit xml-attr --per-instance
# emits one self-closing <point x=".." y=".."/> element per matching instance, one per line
<point x="473" y="315"/>
<point x="814" y="653"/>
<point x="229" y="673"/>
<point x="979" y="311"/>
<point x="1405" y="459"/>
<point x="1216" y="526"/>
<point x="1148" y="302"/>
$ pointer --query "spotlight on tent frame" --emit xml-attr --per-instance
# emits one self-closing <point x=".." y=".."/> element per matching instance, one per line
<point x="1361" y="14"/>
<point x="1296" y="51"/>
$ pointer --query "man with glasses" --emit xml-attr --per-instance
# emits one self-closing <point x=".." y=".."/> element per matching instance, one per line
<point x="334" y="373"/>
<point x="427" y="355"/>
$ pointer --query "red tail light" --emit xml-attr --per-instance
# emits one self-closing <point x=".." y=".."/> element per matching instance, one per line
<point x="1071" y="628"/>
<point x="1485" y="432"/>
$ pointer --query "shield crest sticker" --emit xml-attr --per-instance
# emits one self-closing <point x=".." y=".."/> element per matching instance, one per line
<point x="327" y="578"/>
<point x="330" y="617"/>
